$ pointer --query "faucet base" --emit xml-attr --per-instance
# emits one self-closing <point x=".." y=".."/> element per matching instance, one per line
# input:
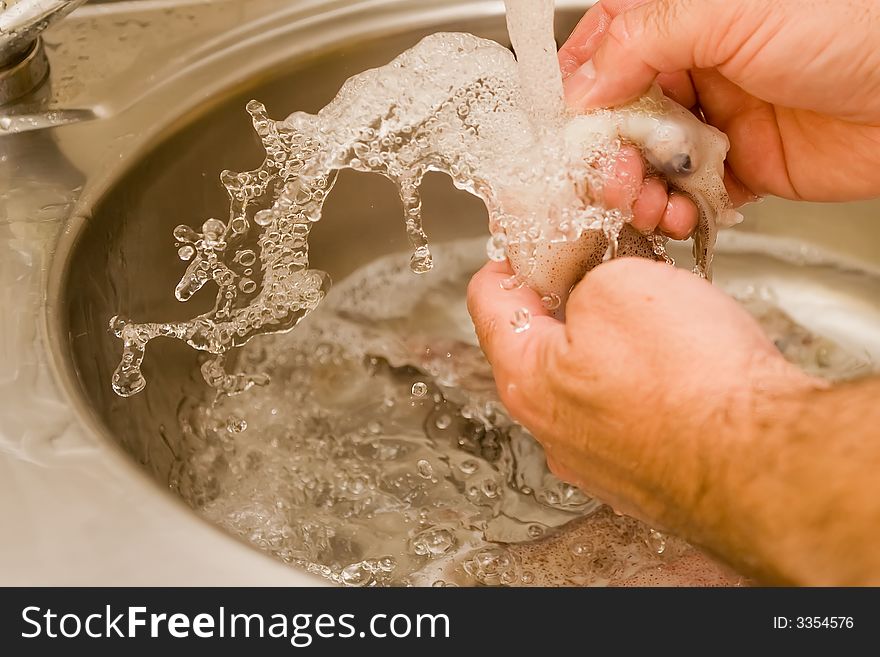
<point x="25" y="75"/>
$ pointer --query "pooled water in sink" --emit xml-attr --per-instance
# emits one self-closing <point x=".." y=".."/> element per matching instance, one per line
<point x="379" y="454"/>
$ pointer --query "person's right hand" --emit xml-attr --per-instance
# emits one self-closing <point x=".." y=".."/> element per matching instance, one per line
<point x="795" y="85"/>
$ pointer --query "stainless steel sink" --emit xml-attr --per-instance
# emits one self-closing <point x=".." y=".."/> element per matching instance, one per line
<point x="92" y="198"/>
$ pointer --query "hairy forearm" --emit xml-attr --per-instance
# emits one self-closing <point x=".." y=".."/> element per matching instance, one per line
<point x="796" y="499"/>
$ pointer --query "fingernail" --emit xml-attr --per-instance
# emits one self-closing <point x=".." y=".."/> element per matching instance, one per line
<point x="578" y="85"/>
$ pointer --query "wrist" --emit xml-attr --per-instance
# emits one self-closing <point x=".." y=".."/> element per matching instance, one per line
<point x="736" y="511"/>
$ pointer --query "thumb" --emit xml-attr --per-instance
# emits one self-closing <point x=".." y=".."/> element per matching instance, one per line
<point x="660" y="36"/>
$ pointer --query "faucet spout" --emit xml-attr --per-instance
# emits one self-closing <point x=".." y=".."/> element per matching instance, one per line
<point x="23" y="64"/>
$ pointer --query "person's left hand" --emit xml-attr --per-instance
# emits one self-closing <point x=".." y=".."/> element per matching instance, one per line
<point x="643" y="397"/>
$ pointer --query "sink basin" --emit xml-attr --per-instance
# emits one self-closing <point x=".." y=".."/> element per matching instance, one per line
<point x="150" y="161"/>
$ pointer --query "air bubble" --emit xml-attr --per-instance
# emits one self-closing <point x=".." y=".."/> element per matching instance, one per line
<point x="246" y="258"/>
<point x="468" y="467"/>
<point x="496" y="247"/>
<point x="656" y="541"/>
<point x="419" y="389"/>
<point x="443" y="421"/>
<point x="263" y="217"/>
<point x="433" y="543"/>
<point x="235" y="424"/>
<point x="356" y="575"/>
<point x="213" y="230"/>
<point x="535" y="531"/>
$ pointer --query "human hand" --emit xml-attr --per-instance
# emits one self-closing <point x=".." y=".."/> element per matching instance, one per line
<point x="644" y="396"/>
<point x="795" y="87"/>
<point x="654" y="208"/>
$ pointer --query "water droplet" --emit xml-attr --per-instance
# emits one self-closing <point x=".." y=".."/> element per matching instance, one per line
<point x="469" y="466"/>
<point x="580" y="549"/>
<point x="496" y="247"/>
<point x="5" y="123"/>
<point x="511" y="283"/>
<point x="419" y="389"/>
<point x="656" y="541"/>
<point x="246" y="258"/>
<point x="357" y="485"/>
<point x="421" y="262"/>
<point x="356" y="574"/>
<point x="264" y="217"/>
<point x="184" y="233"/>
<point x="425" y="469"/>
<point x="186" y="252"/>
<point x="535" y="531"/>
<point x="551" y="301"/>
<point x="443" y="421"/>
<point x="235" y="424"/>
<point x="522" y="320"/>
<point x="433" y="543"/>
<point x="490" y="488"/>
<point x="213" y="230"/>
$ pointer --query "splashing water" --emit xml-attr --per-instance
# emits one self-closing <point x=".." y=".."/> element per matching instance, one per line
<point x="457" y="104"/>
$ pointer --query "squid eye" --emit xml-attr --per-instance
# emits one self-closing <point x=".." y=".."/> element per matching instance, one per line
<point x="682" y="163"/>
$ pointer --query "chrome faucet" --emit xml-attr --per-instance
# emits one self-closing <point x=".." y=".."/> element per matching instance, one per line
<point x="23" y="63"/>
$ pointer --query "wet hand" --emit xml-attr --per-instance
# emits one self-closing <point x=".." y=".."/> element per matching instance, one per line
<point x="637" y="396"/>
<point x="796" y="88"/>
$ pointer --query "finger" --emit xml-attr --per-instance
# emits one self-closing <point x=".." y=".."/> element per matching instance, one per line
<point x="680" y="217"/>
<point x="625" y="179"/>
<point x="592" y="28"/>
<point x="650" y="205"/>
<point x="752" y="125"/>
<point x="515" y="355"/>
<point x="642" y="41"/>
<point x="679" y="87"/>
<point x="739" y="193"/>
<point x="493" y="310"/>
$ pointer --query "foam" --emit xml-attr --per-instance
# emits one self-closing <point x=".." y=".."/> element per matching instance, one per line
<point x="453" y="103"/>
